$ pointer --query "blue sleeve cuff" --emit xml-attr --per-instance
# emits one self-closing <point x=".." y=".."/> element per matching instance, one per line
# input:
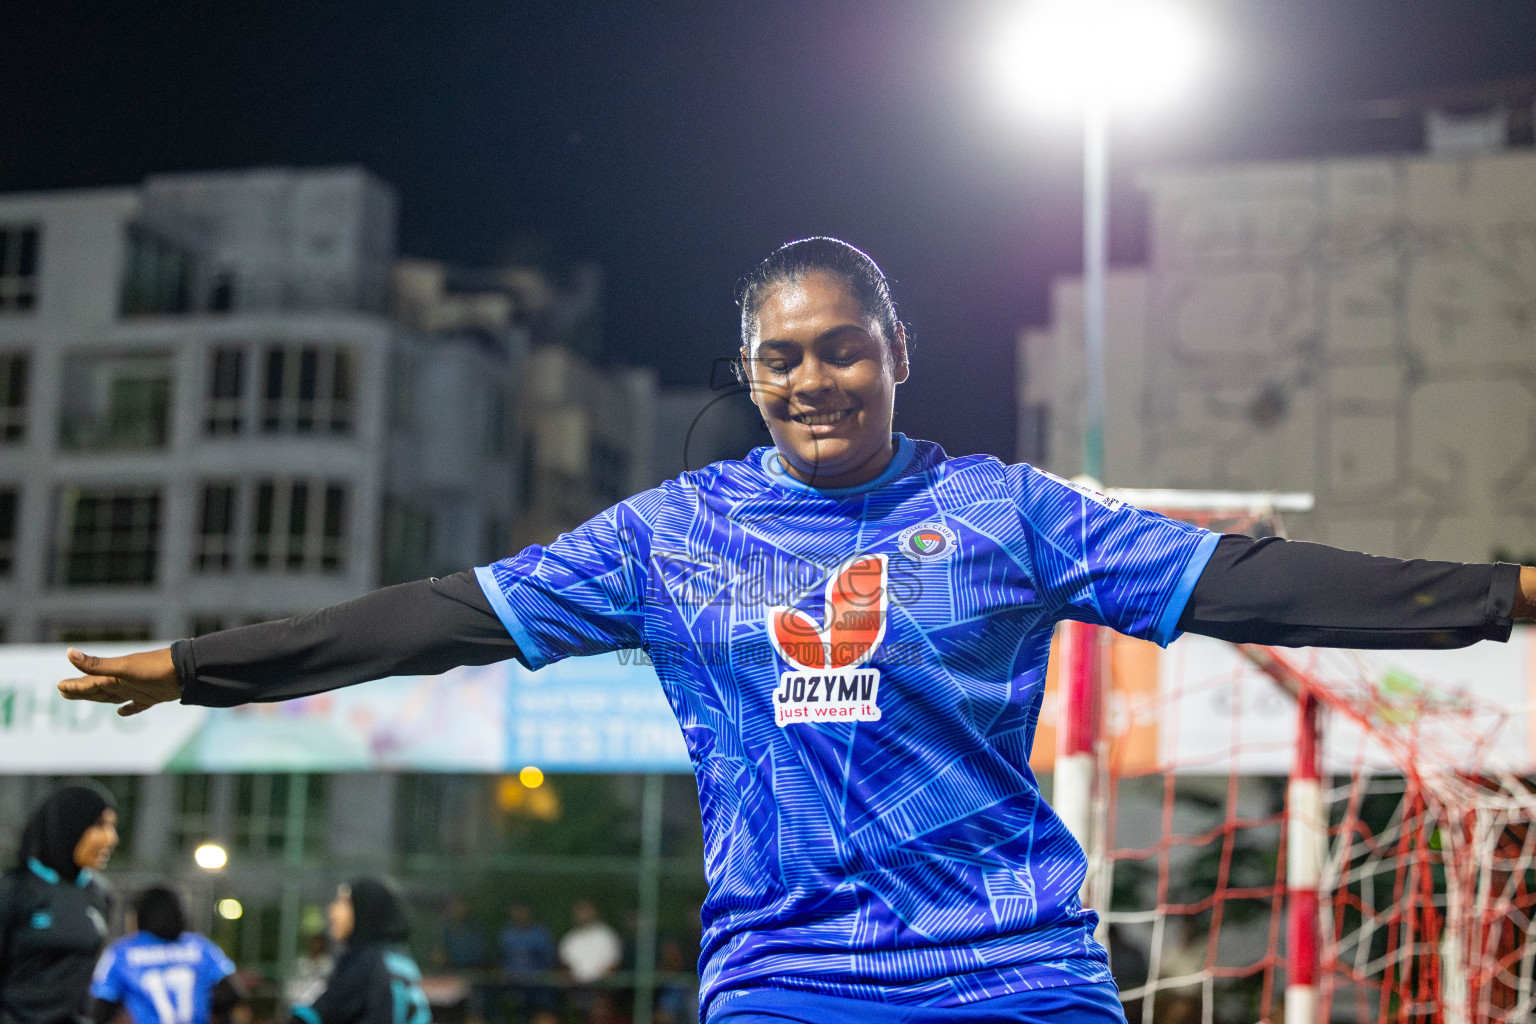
<point x="531" y="655"/>
<point x="307" y="1014"/>
<point x="1167" y="626"/>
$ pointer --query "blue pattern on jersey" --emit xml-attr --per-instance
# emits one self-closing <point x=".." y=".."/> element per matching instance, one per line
<point x="872" y="827"/>
<point x="161" y="982"/>
<point x="1064" y="1004"/>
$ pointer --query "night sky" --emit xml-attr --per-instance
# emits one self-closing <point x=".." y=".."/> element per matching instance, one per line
<point x="677" y="143"/>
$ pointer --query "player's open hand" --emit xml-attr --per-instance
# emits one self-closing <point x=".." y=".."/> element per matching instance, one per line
<point x="1525" y="596"/>
<point x="136" y="681"/>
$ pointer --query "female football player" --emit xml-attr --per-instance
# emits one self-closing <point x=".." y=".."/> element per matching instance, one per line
<point x="162" y="973"/>
<point x="852" y="628"/>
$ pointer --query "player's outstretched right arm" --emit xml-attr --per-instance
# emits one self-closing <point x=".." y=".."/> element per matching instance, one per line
<point x="419" y="628"/>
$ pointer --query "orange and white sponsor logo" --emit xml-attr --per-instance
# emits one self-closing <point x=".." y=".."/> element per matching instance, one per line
<point x="828" y="680"/>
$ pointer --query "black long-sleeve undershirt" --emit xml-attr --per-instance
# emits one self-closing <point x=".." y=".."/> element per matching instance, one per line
<point x="1287" y="593"/>
<point x="1271" y="591"/>
<point x="413" y="629"/>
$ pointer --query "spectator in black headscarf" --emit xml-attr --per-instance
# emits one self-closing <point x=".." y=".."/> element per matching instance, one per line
<point x="375" y="980"/>
<point x="53" y="908"/>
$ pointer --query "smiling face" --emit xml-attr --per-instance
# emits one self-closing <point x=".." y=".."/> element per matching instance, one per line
<point x="95" y="846"/>
<point x="824" y="378"/>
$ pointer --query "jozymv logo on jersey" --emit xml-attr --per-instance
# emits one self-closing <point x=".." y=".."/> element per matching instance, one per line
<point x="828" y="680"/>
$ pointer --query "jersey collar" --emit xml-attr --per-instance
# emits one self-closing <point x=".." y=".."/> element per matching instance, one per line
<point x="773" y="465"/>
<point x="51" y="876"/>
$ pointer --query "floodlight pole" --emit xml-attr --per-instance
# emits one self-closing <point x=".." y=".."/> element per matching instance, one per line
<point x="1082" y="682"/>
<point x="1095" y="272"/>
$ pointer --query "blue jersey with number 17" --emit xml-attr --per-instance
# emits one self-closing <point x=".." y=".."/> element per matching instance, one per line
<point x="161" y="982"/>
<point x="858" y="674"/>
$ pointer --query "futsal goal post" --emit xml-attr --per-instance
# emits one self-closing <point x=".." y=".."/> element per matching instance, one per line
<point x="1300" y="835"/>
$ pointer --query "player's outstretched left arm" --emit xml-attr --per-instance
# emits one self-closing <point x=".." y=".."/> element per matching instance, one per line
<point x="419" y="628"/>
<point x="1298" y="594"/>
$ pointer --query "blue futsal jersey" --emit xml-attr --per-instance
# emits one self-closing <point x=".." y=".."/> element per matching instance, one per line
<point x="858" y="673"/>
<point x="161" y="982"/>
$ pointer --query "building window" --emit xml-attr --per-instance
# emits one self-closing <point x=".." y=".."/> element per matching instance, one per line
<point x="498" y="425"/>
<point x="107" y="536"/>
<point x="249" y="812"/>
<point x="157" y="276"/>
<point x="528" y="475"/>
<point x="18" y="268"/>
<point x="116" y="402"/>
<point x="407" y="547"/>
<point x="226" y="392"/>
<point x="495" y="539"/>
<point x="261" y="809"/>
<point x="13" y="397"/>
<point x="201" y="625"/>
<point x="306" y="389"/>
<point x="8" y="503"/>
<point x="216" y="529"/>
<point x="95" y="632"/>
<point x="1034" y="434"/>
<point x="221" y="296"/>
<point x="610" y="472"/>
<point x="298" y="525"/>
<point x="402" y="392"/>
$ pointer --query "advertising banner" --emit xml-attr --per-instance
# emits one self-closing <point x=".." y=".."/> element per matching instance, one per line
<point x="602" y="714"/>
<point x="1198" y="705"/>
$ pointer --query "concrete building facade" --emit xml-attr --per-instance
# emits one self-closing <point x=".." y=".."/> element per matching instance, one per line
<point x="204" y="418"/>
<point x="223" y="399"/>
<point x="1363" y="329"/>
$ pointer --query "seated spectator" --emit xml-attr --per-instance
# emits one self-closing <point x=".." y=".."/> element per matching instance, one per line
<point x="591" y="950"/>
<point x="604" y="1010"/>
<point x="311" y="970"/>
<point x="461" y="951"/>
<point x="676" y="1000"/>
<point x="460" y="944"/>
<point x="527" y="955"/>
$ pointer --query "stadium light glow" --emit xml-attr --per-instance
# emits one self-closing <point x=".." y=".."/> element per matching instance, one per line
<point x="230" y="909"/>
<point x="531" y="777"/>
<point x="210" y="857"/>
<point x="1063" y="55"/>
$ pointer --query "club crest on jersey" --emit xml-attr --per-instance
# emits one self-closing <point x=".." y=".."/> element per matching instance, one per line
<point x="927" y="541"/>
<point x="828" y="680"/>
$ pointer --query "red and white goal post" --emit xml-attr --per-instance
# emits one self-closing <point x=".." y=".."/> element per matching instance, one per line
<point x="1307" y="836"/>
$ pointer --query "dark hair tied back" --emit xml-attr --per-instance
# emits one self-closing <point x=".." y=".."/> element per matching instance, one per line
<point x="820" y="255"/>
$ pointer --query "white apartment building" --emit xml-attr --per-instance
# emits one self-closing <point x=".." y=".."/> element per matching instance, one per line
<point x="588" y="434"/>
<point x="1362" y="328"/>
<point x="207" y="416"/>
<point x="223" y="399"/>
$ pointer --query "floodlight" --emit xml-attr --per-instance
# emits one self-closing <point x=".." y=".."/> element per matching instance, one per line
<point x="230" y="909"/>
<point x="210" y="856"/>
<point x="1121" y="54"/>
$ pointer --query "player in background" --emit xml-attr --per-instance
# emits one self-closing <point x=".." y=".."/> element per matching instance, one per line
<point x="852" y="628"/>
<point x="375" y="980"/>
<point x="54" y="909"/>
<point x="161" y="973"/>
